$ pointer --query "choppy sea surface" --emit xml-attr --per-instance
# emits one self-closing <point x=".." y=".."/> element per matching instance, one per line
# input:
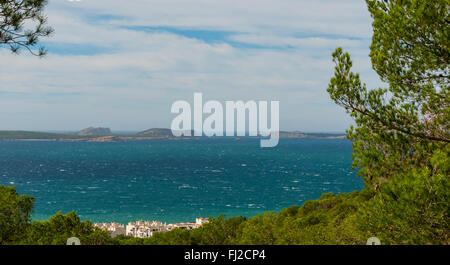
<point x="174" y="180"/>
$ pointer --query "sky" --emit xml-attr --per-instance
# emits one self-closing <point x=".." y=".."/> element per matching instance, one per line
<point x="121" y="64"/>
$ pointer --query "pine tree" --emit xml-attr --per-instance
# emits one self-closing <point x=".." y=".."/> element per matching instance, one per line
<point x="23" y="24"/>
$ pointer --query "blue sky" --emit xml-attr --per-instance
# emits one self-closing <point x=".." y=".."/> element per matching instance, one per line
<point x="121" y="65"/>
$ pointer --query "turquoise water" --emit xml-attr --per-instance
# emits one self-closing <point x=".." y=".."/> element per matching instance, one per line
<point x="174" y="180"/>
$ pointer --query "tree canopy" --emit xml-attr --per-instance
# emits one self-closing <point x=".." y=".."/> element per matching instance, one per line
<point x="399" y="126"/>
<point x="401" y="137"/>
<point x="23" y="24"/>
<point x="15" y="213"/>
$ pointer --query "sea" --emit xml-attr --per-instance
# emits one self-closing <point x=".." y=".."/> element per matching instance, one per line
<point x="174" y="180"/>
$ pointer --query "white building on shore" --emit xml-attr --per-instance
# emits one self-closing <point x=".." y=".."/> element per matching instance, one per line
<point x="144" y="229"/>
<point x="200" y="221"/>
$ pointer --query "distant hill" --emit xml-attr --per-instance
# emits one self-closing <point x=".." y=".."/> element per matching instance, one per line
<point x="297" y="134"/>
<point x="26" y="135"/>
<point x="292" y="134"/>
<point x="159" y="132"/>
<point x="156" y="132"/>
<point x="94" y="131"/>
<point x="162" y="132"/>
<point x="104" y="134"/>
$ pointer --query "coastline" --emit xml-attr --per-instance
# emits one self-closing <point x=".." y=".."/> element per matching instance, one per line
<point x="116" y="138"/>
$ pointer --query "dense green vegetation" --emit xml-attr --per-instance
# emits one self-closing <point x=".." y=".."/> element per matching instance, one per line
<point x="400" y="148"/>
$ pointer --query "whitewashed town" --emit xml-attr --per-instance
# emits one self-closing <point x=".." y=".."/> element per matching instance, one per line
<point x="145" y="229"/>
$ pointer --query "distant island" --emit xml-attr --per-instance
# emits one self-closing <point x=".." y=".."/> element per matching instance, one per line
<point x="94" y="131"/>
<point x="99" y="134"/>
<point x="297" y="134"/>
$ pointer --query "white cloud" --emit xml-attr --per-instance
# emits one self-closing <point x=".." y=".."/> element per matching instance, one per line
<point x="308" y="42"/>
<point x="346" y="17"/>
<point x="133" y="83"/>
